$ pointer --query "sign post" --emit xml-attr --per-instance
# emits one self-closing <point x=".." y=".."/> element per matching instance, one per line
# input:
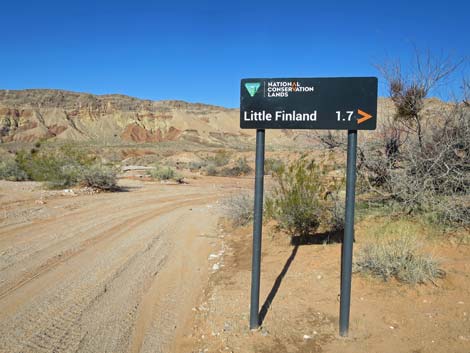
<point x="257" y="230"/>
<point x="340" y="103"/>
<point x="348" y="239"/>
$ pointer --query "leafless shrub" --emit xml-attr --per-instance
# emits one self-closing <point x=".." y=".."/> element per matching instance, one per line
<point x="428" y="170"/>
<point x="331" y="139"/>
<point x="408" y="90"/>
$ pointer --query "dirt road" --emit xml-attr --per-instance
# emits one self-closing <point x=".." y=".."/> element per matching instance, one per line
<point x="115" y="272"/>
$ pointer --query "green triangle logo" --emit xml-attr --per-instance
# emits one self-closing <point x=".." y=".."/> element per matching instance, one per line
<point x="252" y="87"/>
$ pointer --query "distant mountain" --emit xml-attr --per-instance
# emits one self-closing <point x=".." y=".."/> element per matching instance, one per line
<point x="32" y="114"/>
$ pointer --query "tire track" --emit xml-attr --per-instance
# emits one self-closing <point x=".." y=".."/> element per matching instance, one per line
<point x="116" y="230"/>
<point x="45" y="242"/>
<point x="56" y="324"/>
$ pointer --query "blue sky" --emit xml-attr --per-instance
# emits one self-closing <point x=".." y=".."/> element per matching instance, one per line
<point x="199" y="50"/>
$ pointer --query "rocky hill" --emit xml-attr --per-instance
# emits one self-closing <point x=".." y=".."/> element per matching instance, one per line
<point x="29" y="115"/>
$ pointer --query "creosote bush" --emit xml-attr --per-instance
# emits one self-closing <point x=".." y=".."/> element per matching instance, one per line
<point x="299" y="200"/>
<point x="61" y="167"/>
<point x="401" y="258"/>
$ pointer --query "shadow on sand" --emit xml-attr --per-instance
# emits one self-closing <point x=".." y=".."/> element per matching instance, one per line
<point x="314" y="239"/>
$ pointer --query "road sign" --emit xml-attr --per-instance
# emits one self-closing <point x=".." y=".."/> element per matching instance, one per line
<point x="339" y="103"/>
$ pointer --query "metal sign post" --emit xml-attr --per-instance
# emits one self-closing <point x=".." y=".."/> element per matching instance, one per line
<point x="348" y="239"/>
<point x="257" y="229"/>
<point x="339" y="103"/>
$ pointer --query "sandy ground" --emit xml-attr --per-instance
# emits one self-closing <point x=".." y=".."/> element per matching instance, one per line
<point x="154" y="269"/>
<point x="110" y="272"/>
<point x="299" y="302"/>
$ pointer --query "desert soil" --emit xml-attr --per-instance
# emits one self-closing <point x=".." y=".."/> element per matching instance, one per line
<point x="155" y="269"/>
<point x="299" y="302"/>
<point x="110" y="272"/>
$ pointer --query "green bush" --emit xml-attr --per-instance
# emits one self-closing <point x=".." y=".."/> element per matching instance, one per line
<point x="401" y="258"/>
<point x="99" y="177"/>
<point x="9" y="170"/>
<point x="163" y="173"/>
<point x="298" y="197"/>
<point x="65" y="167"/>
<point x="58" y="168"/>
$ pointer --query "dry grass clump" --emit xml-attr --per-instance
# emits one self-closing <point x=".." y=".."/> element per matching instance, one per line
<point x="402" y="258"/>
<point x="239" y="208"/>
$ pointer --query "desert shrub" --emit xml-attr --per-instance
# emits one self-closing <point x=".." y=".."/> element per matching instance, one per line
<point x="241" y="167"/>
<point x="335" y="218"/>
<point x="10" y="170"/>
<point x="272" y="165"/>
<point x="65" y="166"/>
<point x="99" y="177"/>
<point x="56" y="167"/>
<point x="219" y="159"/>
<point x="298" y="199"/>
<point x="239" y="208"/>
<point x="401" y="258"/>
<point x="163" y="173"/>
<point x="211" y="170"/>
<point x="193" y="166"/>
<point x="432" y="180"/>
<point x="420" y="162"/>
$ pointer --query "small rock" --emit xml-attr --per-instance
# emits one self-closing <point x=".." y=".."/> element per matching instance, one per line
<point x="215" y="267"/>
<point x="264" y="332"/>
<point x="460" y="303"/>
<point x="319" y="277"/>
<point x="307" y="337"/>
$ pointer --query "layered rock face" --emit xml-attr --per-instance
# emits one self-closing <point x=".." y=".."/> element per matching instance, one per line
<point x="29" y="115"/>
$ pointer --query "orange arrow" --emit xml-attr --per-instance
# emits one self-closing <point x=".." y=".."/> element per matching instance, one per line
<point x="365" y="116"/>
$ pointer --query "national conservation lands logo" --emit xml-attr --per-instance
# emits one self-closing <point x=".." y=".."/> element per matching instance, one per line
<point x="252" y="87"/>
<point x="278" y="89"/>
